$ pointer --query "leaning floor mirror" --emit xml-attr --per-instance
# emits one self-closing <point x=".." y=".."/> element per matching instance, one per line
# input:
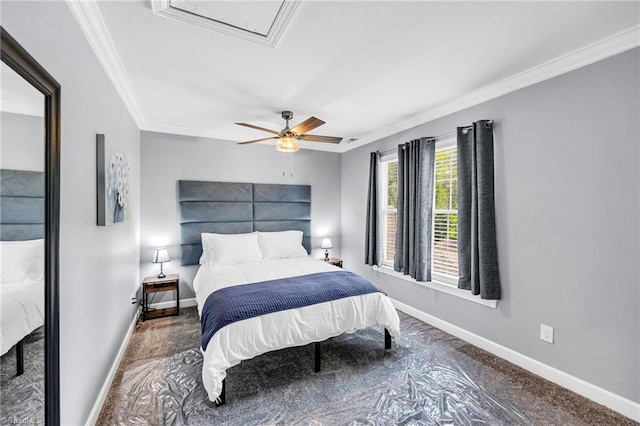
<point x="29" y="238"/>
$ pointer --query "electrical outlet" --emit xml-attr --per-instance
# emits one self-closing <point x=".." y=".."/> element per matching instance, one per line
<point x="133" y="300"/>
<point x="546" y="333"/>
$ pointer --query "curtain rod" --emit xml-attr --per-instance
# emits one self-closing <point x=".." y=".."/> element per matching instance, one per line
<point x="465" y="130"/>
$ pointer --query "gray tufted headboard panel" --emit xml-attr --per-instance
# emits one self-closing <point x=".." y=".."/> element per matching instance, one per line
<point x="235" y="208"/>
<point x="21" y="205"/>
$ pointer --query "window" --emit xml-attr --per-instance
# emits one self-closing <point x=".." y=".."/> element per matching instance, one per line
<point x="389" y="185"/>
<point x="445" y="214"/>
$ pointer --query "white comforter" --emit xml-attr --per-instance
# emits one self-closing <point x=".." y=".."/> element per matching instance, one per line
<point x="22" y="311"/>
<point x="295" y="327"/>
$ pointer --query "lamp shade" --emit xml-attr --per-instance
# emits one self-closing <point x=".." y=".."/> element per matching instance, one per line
<point x="326" y="243"/>
<point x="161" y="255"/>
<point x="287" y="143"/>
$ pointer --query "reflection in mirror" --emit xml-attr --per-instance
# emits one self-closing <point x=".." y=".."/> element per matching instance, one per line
<point x="22" y="218"/>
<point x="19" y="60"/>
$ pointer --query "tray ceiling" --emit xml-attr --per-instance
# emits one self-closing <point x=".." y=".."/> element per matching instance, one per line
<point x="369" y="69"/>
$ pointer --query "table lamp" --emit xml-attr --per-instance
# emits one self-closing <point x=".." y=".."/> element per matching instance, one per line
<point x="326" y="245"/>
<point x="160" y="256"/>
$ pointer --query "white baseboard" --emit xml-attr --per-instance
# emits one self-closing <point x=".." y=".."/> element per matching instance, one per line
<point x="97" y="406"/>
<point x="184" y="303"/>
<point x="615" y="402"/>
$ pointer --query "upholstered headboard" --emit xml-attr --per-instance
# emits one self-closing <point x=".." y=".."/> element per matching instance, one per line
<point x="235" y="208"/>
<point x="21" y="205"/>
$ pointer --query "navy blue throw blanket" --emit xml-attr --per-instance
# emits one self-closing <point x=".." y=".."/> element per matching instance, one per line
<point x="240" y="302"/>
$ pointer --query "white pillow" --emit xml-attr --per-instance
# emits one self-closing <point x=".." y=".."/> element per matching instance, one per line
<point x="230" y="249"/>
<point x="281" y="245"/>
<point x="21" y="261"/>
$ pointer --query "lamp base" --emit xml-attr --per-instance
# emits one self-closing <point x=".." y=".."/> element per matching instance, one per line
<point x="161" y="274"/>
<point x="326" y="255"/>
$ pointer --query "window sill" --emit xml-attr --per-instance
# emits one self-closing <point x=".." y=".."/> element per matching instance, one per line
<point x="438" y="286"/>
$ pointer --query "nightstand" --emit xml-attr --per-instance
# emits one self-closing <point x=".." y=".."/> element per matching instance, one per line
<point x="335" y="261"/>
<point x="155" y="285"/>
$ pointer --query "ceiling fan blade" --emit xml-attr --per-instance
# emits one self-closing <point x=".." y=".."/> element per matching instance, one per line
<point x="258" y="128"/>
<point x="308" y="124"/>
<point x="256" y="140"/>
<point x="318" y="138"/>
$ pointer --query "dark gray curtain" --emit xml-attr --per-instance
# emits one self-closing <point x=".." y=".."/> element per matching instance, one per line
<point x="371" y="239"/>
<point x="416" y="160"/>
<point x="477" y="248"/>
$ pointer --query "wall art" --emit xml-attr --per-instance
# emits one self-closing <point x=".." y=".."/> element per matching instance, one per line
<point x="113" y="173"/>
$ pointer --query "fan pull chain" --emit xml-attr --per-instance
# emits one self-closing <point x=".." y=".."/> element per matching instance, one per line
<point x="290" y="166"/>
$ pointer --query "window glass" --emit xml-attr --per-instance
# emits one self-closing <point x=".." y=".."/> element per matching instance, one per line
<point x="445" y="215"/>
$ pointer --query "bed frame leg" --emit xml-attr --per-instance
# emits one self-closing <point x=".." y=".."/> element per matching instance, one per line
<point x="387" y="339"/>
<point x="316" y="346"/>
<point x="19" y="358"/>
<point x="221" y="400"/>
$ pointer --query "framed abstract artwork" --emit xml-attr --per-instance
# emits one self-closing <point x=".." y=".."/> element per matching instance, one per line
<point x="113" y="172"/>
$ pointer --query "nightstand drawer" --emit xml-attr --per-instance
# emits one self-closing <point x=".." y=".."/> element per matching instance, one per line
<point x="159" y="313"/>
<point x="153" y="288"/>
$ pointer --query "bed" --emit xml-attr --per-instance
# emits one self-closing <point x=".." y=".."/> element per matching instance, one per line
<point x="252" y="243"/>
<point x="22" y="311"/>
<point x="21" y="257"/>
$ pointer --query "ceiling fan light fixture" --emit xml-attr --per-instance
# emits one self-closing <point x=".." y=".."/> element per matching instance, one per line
<point x="287" y="139"/>
<point x="288" y="143"/>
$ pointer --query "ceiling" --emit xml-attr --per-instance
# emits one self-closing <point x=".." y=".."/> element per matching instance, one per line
<point x="17" y="96"/>
<point x="367" y="68"/>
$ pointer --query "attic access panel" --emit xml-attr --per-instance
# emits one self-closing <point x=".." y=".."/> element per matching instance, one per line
<point x="258" y="21"/>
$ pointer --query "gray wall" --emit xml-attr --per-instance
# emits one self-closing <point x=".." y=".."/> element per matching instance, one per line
<point x="567" y="211"/>
<point x="99" y="266"/>
<point x="21" y="142"/>
<point x="168" y="158"/>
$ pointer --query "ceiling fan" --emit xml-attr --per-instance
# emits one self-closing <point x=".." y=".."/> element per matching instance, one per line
<point x="287" y="139"/>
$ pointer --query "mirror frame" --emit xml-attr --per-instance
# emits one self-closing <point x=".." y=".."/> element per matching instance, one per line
<point x="17" y="58"/>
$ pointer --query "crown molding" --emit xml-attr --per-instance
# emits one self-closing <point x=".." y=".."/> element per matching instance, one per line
<point x="602" y="49"/>
<point x="89" y="19"/>
<point x="21" y="107"/>
<point x="164" y="8"/>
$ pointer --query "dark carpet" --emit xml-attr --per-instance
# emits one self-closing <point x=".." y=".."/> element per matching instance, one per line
<point x="427" y="378"/>
<point x="22" y="397"/>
